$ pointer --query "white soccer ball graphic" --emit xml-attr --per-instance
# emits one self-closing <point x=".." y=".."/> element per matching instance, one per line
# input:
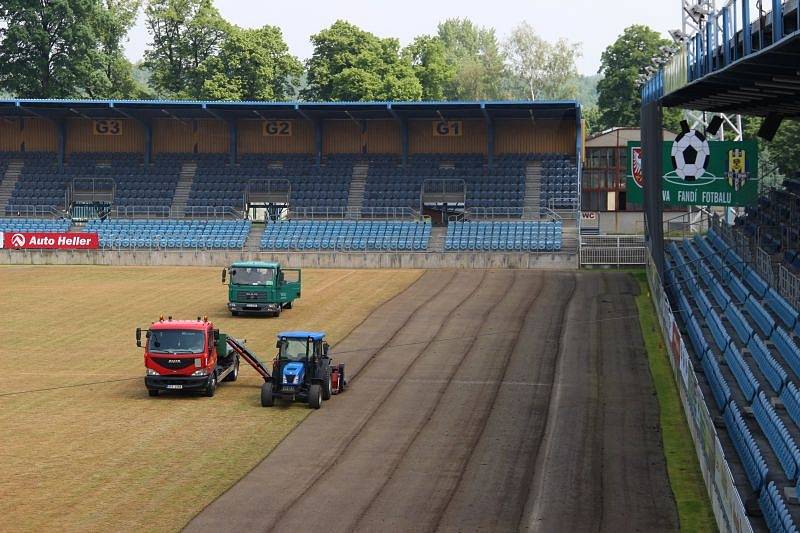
<point x="690" y="155"/>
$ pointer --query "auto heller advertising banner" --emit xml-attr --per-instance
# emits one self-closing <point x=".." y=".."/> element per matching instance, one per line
<point x="699" y="172"/>
<point x="48" y="241"/>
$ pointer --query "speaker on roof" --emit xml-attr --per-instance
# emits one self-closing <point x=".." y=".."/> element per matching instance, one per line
<point x="714" y="125"/>
<point x="770" y="126"/>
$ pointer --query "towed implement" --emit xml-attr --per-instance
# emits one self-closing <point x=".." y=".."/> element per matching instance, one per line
<point x="192" y="355"/>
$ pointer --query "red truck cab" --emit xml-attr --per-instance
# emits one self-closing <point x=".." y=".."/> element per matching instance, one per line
<point x="185" y="355"/>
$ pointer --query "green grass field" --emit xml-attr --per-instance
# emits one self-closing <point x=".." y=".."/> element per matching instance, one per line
<point x="691" y="497"/>
<point x="82" y="446"/>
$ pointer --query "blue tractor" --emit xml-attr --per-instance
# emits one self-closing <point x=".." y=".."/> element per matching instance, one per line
<point x="303" y="370"/>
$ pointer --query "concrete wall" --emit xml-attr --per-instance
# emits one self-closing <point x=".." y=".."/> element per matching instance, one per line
<point x="295" y="259"/>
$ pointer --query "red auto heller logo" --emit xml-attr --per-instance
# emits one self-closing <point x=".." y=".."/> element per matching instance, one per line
<point x="18" y="240"/>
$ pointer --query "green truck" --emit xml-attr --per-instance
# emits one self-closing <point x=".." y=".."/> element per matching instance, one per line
<point x="261" y="287"/>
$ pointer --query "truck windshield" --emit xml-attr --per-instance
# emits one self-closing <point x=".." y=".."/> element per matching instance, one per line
<point x="176" y="341"/>
<point x="294" y="349"/>
<point x="252" y="276"/>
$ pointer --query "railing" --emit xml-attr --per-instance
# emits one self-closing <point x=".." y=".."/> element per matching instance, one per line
<point x="352" y="213"/>
<point x="789" y="286"/>
<point x="148" y="212"/>
<point x="501" y="212"/>
<point x="736" y="31"/>
<point x="33" y="211"/>
<point x="613" y="250"/>
<point x="764" y="266"/>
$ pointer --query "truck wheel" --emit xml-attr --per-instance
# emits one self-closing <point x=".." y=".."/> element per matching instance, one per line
<point x="315" y="396"/>
<point x="152" y="392"/>
<point x="277" y="312"/>
<point x="234" y="313"/>
<point x="267" y="400"/>
<point x="234" y="375"/>
<point x="211" y="388"/>
<point x="288" y="305"/>
<point x="326" y="385"/>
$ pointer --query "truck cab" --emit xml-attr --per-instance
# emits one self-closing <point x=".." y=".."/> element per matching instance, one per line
<point x="261" y="287"/>
<point x="186" y="355"/>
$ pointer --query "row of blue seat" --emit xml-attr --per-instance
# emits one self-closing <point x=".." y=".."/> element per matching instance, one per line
<point x="780" y="440"/>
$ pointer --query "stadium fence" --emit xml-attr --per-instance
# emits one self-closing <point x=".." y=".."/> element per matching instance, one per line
<point x="729" y="509"/>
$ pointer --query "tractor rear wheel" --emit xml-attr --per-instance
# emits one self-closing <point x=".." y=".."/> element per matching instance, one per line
<point x="211" y="388"/>
<point x="326" y="384"/>
<point x="152" y="392"/>
<point x="267" y="400"/>
<point x="315" y="396"/>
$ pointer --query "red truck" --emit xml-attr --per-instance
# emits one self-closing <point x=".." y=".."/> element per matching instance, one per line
<point x="192" y="355"/>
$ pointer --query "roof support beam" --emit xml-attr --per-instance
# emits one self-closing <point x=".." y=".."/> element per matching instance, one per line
<point x="489" y="135"/>
<point x="318" y="134"/>
<point x="403" y="121"/>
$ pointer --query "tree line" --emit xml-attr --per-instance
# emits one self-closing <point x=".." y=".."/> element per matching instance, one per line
<point x="74" y="48"/>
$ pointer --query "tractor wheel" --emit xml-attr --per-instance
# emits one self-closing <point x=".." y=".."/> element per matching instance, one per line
<point x="211" y="388"/>
<point x="234" y="375"/>
<point x="326" y="384"/>
<point x="152" y="392"/>
<point x="315" y="396"/>
<point x="267" y="400"/>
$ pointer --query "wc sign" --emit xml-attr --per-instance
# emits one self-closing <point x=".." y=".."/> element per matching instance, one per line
<point x="49" y="241"/>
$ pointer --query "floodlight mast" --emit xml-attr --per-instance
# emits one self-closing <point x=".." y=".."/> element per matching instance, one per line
<point x="695" y="14"/>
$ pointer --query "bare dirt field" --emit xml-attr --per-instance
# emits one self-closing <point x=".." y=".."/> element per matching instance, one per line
<point x="82" y="446"/>
<point x="479" y="401"/>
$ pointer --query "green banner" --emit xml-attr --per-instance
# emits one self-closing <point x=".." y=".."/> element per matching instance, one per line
<point x="699" y="172"/>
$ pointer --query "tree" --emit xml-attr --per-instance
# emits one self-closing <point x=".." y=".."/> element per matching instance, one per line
<point x="114" y="21"/>
<point x="779" y="157"/>
<point x="476" y="57"/>
<point x="428" y="58"/>
<point x="619" y="100"/>
<point x="351" y="64"/>
<point x="49" y="48"/>
<point x="184" y="33"/>
<point x="252" y="64"/>
<point x="547" y="71"/>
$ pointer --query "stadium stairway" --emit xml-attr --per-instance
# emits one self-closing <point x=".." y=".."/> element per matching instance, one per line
<point x="533" y="188"/>
<point x="184" y="187"/>
<point x="10" y="178"/>
<point x="355" y="197"/>
<point x="253" y="242"/>
<point x="438" y="236"/>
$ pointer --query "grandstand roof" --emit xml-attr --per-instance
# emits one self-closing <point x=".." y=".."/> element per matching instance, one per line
<point x="149" y="109"/>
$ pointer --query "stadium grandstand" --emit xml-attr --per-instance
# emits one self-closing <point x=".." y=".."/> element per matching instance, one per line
<point x="730" y="294"/>
<point x="444" y="177"/>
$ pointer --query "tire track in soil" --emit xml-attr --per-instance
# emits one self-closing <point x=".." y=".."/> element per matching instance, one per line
<point x="376" y="407"/>
<point x="453" y="515"/>
<point x="427" y="472"/>
<point x="445" y="384"/>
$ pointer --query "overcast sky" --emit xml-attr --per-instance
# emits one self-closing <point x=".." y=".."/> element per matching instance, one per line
<point x="595" y="23"/>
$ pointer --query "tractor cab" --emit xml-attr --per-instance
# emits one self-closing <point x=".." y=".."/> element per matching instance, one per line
<point x="302" y="370"/>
